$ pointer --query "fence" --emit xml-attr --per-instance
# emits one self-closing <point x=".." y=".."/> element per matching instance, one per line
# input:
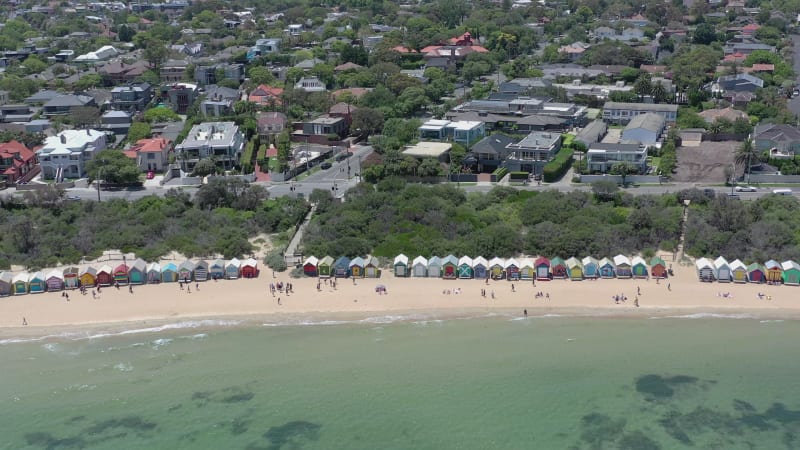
<point x="773" y="178"/>
<point x="649" y="179"/>
<point x="42" y="186"/>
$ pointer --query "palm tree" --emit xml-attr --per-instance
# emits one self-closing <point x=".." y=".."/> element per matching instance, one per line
<point x="746" y="154"/>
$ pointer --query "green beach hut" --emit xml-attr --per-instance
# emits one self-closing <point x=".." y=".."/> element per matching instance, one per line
<point x="137" y="274"/>
<point x="401" y="266"/>
<point x="639" y="267"/>
<point x="791" y="273"/>
<point x="20" y="283"/>
<point x="465" y="270"/>
<point x="325" y="266"/>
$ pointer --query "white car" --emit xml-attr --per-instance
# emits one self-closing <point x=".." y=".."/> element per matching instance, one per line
<point x="745" y="189"/>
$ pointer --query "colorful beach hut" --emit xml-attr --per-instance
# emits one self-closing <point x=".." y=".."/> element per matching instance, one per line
<point x="36" y="283"/>
<point x="372" y="267"/>
<point x="217" y="269"/>
<point x="186" y="271"/>
<point x="20" y="283"/>
<point x="71" y="277"/>
<point x="574" y="268"/>
<point x="310" y="266"/>
<point x="137" y="274"/>
<point x="341" y="267"/>
<point x="6" y="284"/>
<point x="54" y="280"/>
<point x="435" y="267"/>
<point x="774" y="271"/>
<point x="153" y="273"/>
<point x="88" y="278"/>
<point x="756" y="273"/>
<point x="705" y="269"/>
<point x="527" y="270"/>
<point x="401" y="265"/>
<point x="233" y="269"/>
<point x="450" y="267"/>
<point x="722" y="270"/>
<point x="658" y="269"/>
<point x="511" y="269"/>
<point x="480" y="268"/>
<point x="497" y="268"/>
<point x="791" y="273"/>
<point x="639" y="267"/>
<point x="607" y="268"/>
<point x="250" y="268"/>
<point x="419" y="267"/>
<point x="121" y="274"/>
<point x="201" y="271"/>
<point x="325" y="266"/>
<point x="558" y="267"/>
<point x="105" y="276"/>
<point x="622" y="267"/>
<point x="738" y="271"/>
<point x="591" y="268"/>
<point x="542" y="266"/>
<point x="465" y="270"/>
<point x="357" y="267"/>
<point x="169" y="273"/>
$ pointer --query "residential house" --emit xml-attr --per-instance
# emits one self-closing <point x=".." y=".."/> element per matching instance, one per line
<point x="219" y="101"/>
<point x="489" y="153"/>
<point x="188" y="49"/>
<point x="601" y="157"/>
<point x="741" y="82"/>
<point x="173" y="71"/>
<point x="592" y="133"/>
<point x="730" y="114"/>
<point x="325" y="125"/>
<point x="263" y="47"/>
<point x="65" y="155"/>
<point x="42" y="97"/>
<point x="532" y="152"/>
<point x="308" y="64"/>
<point x="208" y="74"/>
<point x="219" y="140"/>
<point x="270" y="124"/>
<point x="265" y="95"/>
<point x="103" y="53"/>
<point x="347" y="66"/>
<point x="778" y="139"/>
<point x="627" y="34"/>
<point x="180" y="96"/>
<point x="117" y="122"/>
<point x="310" y="84"/>
<point x="423" y="150"/>
<point x="619" y="112"/>
<point x="66" y="104"/>
<point x="151" y="154"/>
<point x="16" y="161"/>
<point x="457" y="131"/>
<point x="132" y="97"/>
<point x="16" y="113"/>
<point x="746" y="48"/>
<point x="116" y="72"/>
<point x="645" y="129"/>
<point x="573" y="51"/>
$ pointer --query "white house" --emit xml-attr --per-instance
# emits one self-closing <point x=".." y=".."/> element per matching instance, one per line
<point x="644" y="129"/>
<point x="65" y="154"/>
<point x="219" y="140"/>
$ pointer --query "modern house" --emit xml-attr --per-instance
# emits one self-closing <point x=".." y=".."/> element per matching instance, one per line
<point x="622" y="113"/>
<point x="179" y="96"/>
<point x="741" y="82"/>
<point x="401" y="266"/>
<point x="644" y="129"/>
<point x="116" y="122"/>
<point x="65" y="155"/>
<point x="601" y="157"/>
<point x="264" y="46"/>
<point x="532" y="152"/>
<point x="219" y="101"/>
<point x="463" y="132"/>
<point x="219" y="140"/>
<point x="132" y="97"/>
<point x="778" y="139"/>
<point x="66" y="104"/>
<point x="419" y="267"/>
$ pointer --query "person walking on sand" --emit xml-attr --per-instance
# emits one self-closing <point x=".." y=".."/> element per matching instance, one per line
<point x="188" y="289"/>
<point x="279" y="301"/>
<point x="638" y="290"/>
<point x="197" y="286"/>
<point x="24" y="322"/>
<point x="669" y="287"/>
<point x="512" y="288"/>
<point x="636" y="301"/>
<point x="94" y="295"/>
<point x="492" y="294"/>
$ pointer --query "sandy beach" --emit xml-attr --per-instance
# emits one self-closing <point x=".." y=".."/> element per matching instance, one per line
<point x="50" y="312"/>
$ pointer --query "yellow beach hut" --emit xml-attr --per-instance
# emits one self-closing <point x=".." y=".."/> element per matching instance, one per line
<point x="738" y="271"/>
<point x="574" y="268"/>
<point x="88" y="278"/>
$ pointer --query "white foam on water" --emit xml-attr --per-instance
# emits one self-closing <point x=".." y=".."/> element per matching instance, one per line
<point x="158" y="343"/>
<point x="771" y="321"/>
<point x="708" y="316"/>
<point x="50" y="347"/>
<point x="124" y="367"/>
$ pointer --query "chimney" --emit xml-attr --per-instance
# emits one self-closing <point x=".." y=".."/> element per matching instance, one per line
<point x="88" y="132"/>
<point x="63" y="139"/>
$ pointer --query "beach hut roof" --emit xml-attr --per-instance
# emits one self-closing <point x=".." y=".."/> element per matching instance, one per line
<point x="790" y="265"/>
<point x="218" y="263"/>
<point x="558" y="262"/>
<point x="371" y="261"/>
<point x="72" y="270"/>
<point x="36" y="276"/>
<point x="105" y="269"/>
<point x="343" y="261"/>
<point x="480" y="261"/>
<point x="621" y="259"/>
<point x="139" y="264"/>
<point x="326" y="261"/>
<point x="357" y="261"/>
<point x="187" y="265"/>
<point x="573" y="262"/>
<point x="55" y="273"/>
<point x="450" y="259"/>
<point x="655" y="261"/>
<point x="202" y="263"/>
<point x="497" y="262"/>
<point x="636" y="260"/>
<point x="511" y="262"/>
<point x="22" y="276"/>
<point x="719" y="262"/>
<point x="703" y="263"/>
<point x="541" y="260"/>
<point x="525" y="262"/>
<point x="606" y="262"/>
<point x="465" y="260"/>
<point x="435" y="261"/>
<point x="420" y="260"/>
<point x="755" y="266"/>
<point x="90" y="270"/>
<point x="401" y="259"/>
<point x="154" y="267"/>
<point x="169" y="267"/>
<point x="311" y="260"/>
<point x="589" y="260"/>
<point x="772" y="264"/>
<point x="6" y="277"/>
<point x="235" y="262"/>
<point x="250" y="262"/>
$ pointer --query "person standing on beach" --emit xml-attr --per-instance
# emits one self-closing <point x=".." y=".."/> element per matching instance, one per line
<point x="492" y="294"/>
<point x="279" y="301"/>
<point x="525" y="312"/>
<point x="24" y="322"/>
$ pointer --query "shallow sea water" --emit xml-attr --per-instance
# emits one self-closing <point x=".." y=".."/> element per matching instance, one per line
<point x="399" y="383"/>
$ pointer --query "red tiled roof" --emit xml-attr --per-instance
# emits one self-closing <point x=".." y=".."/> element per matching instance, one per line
<point x="763" y="67"/>
<point x="263" y="94"/>
<point x="17" y="151"/>
<point x="153" y="145"/>
<point x="403" y="49"/>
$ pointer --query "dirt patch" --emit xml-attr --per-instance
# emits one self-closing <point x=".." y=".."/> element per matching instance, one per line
<point x="705" y="163"/>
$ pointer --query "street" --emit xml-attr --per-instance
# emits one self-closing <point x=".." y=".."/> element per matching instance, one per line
<point x="794" y="102"/>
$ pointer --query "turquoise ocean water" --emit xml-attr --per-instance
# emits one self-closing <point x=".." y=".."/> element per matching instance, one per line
<point x="480" y="383"/>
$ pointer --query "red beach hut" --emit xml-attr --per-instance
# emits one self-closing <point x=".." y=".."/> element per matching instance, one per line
<point x="121" y="274"/>
<point x="310" y="266"/>
<point x="559" y="268"/>
<point x="542" y="266"/>
<point x="105" y="276"/>
<point x="249" y="268"/>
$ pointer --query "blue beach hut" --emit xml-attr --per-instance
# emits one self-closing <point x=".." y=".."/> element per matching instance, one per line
<point x="590" y="267"/>
<point x="341" y="267"/>
<point x="233" y="269"/>
<point x="480" y="268"/>
<point x="169" y="273"/>
<point x="607" y="268"/>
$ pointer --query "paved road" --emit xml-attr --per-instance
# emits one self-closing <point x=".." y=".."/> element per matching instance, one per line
<point x="794" y="103"/>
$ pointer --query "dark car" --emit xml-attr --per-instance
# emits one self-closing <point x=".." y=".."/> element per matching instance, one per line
<point x="325" y="165"/>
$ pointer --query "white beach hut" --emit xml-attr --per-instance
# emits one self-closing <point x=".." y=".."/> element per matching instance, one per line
<point x="722" y="270"/>
<point x="623" y="267"/>
<point x="6" y="286"/>
<point x="435" y="267"/>
<point x="480" y="268"/>
<point x="419" y="267"/>
<point x="233" y="269"/>
<point x="591" y="267"/>
<point x="705" y="269"/>
<point x="401" y="265"/>
<point x="153" y="273"/>
<point x="527" y="269"/>
<point x="497" y="267"/>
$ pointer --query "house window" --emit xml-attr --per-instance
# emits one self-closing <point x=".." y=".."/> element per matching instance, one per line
<point x="151" y="156"/>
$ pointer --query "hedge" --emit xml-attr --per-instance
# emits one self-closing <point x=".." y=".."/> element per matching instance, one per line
<point x="499" y="173"/>
<point x="519" y="175"/>
<point x="556" y="168"/>
<point x="249" y="150"/>
<point x="567" y="140"/>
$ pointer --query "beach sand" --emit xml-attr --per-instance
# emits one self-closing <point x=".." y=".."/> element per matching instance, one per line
<point x="149" y="304"/>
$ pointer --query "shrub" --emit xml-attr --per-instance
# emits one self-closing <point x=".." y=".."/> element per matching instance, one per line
<point x="556" y="168"/>
<point x="500" y="172"/>
<point x="519" y="175"/>
<point x="275" y="261"/>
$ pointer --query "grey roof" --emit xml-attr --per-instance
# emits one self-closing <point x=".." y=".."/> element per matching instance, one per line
<point x="214" y="91"/>
<point x="777" y="133"/>
<point x="69" y="100"/>
<point x="119" y="114"/>
<point x="538" y="140"/>
<point x="42" y="96"/>
<point x="592" y="132"/>
<point x="658" y="107"/>
<point x="494" y="144"/>
<point x="609" y="147"/>
<point x="649" y="121"/>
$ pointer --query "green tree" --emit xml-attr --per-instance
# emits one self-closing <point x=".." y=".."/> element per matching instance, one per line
<point x="367" y="121"/>
<point x="746" y="155"/>
<point x="605" y="190"/>
<point x="113" y="166"/>
<point x="155" y="53"/>
<point x="88" y="81"/>
<point x="623" y="169"/>
<point x="139" y="130"/>
<point x="704" y="34"/>
<point x="160" y="114"/>
<point x="260" y="75"/>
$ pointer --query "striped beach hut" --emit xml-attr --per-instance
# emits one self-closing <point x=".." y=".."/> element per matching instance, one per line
<point x="558" y="267"/>
<point x="169" y="273"/>
<point x="357" y="267"/>
<point x="607" y="268"/>
<point x="497" y="268"/>
<point x="250" y="268"/>
<point x="756" y="273"/>
<point x="233" y="269"/>
<point x="639" y="267"/>
<point x="480" y="268"/>
<point x="450" y="267"/>
<point x="88" y="277"/>
<point x="722" y="270"/>
<point x="310" y="266"/>
<point x="527" y="270"/>
<point x="435" y="267"/>
<point x="574" y="268"/>
<point x="419" y="267"/>
<point x="121" y="274"/>
<point x="186" y="271"/>
<point x="105" y="275"/>
<point x="325" y="266"/>
<point x="658" y="269"/>
<point x="738" y="271"/>
<point x="20" y="283"/>
<point x="401" y="265"/>
<point x="341" y="267"/>
<point x="774" y="271"/>
<point x="137" y="274"/>
<point x="511" y="269"/>
<point x="201" y="270"/>
<point x="71" y="277"/>
<point x="791" y="273"/>
<point x="465" y="270"/>
<point x="54" y="280"/>
<point x="372" y="267"/>
<point x="217" y="269"/>
<point x="152" y="273"/>
<point x="622" y="267"/>
<point x="705" y="269"/>
<point x="591" y="268"/>
<point x="36" y="283"/>
<point x="6" y="284"/>
<point x="542" y="266"/>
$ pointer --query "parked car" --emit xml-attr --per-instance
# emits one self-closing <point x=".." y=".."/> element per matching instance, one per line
<point x="745" y="189"/>
<point x="325" y="165"/>
<point x="151" y="175"/>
